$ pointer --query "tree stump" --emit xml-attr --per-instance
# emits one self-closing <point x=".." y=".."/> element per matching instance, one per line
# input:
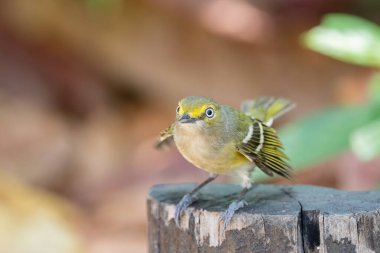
<point x="277" y="219"/>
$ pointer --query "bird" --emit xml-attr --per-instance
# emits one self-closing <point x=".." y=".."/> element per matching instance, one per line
<point x="223" y="140"/>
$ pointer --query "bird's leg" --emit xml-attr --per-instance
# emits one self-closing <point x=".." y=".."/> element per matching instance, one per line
<point x="240" y="202"/>
<point x="190" y="198"/>
<point x="233" y="207"/>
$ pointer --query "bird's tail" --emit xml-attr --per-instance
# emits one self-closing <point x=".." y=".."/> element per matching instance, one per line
<point x="266" y="109"/>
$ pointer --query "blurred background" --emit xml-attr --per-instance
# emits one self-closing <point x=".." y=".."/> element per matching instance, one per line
<point x="87" y="85"/>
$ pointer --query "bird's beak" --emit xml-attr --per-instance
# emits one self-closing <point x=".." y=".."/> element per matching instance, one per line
<point x="185" y="118"/>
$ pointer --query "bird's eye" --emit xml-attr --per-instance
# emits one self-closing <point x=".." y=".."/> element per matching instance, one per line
<point x="209" y="112"/>
<point x="177" y="109"/>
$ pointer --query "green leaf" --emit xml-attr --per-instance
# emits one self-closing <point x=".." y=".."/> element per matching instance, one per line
<point x="323" y="135"/>
<point x="347" y="38"/>
<point x="365" y="142"/>
<point x="374" y="88"/>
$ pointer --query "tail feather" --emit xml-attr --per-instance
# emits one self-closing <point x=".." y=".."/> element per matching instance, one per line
<point x="266" y="109"/>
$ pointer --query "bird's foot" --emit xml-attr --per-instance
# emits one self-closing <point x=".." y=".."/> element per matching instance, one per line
<point x="229" y="213"/>
<point x="182" y="205"/>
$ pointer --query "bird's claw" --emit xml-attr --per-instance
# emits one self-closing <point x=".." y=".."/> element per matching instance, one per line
<point x="229" y="213"/>
<point x="182" y="205"/>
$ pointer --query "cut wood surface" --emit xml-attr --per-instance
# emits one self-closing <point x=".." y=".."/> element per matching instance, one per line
<point x="276" y="219"/>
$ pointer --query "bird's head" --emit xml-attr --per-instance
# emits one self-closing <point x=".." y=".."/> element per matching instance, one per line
<point x="199" y="110"/>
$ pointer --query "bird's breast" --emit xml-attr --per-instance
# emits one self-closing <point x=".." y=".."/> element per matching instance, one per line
<point x="206" y="150"/>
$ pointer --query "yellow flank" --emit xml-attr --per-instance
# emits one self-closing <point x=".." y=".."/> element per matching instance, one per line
<point x="225" y="162"/>
<point x="224" y="166"/>
<point x="233" y="162"/>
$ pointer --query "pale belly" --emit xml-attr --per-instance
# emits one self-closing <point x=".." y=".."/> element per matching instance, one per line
<point x="207" y="153"/>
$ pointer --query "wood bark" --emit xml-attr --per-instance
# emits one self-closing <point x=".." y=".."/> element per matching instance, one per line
<point x="276" y="219"/>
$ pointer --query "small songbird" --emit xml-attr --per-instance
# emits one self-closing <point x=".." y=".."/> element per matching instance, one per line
<point x="223" y="140"/>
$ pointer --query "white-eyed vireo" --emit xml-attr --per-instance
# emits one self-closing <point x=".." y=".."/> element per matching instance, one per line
<point x="223" y="140"/>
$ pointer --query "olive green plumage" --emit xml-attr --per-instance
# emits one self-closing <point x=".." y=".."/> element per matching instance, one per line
<point x="223" y="140"/>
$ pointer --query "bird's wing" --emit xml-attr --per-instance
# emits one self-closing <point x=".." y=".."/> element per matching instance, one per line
<point x="166" y="136"/>
<point x="262" y="146"/>
<point x="266" y="109"/>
